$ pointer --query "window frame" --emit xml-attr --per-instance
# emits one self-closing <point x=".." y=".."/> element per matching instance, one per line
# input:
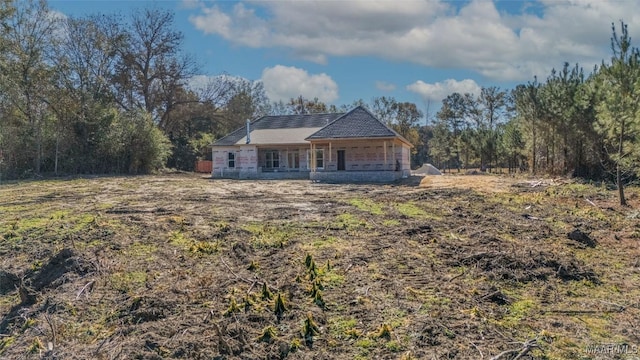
<point x="231" y="160"/>
<point x="272" y="159"/>
<point x="295" y="156"/>
<point x="319" y="158"/>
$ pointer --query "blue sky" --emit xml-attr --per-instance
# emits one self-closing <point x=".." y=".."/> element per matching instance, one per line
<point x="418" y="51"/>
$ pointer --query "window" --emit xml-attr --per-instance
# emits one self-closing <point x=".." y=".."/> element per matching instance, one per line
<point x="272" y="159"/>
<point x="320" y="159"/>
<point x="294" y="160"/>
<point x="232" y="160"/>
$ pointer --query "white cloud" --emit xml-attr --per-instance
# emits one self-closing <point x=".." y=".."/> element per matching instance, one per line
<point x="213" y="21"/>
<point x="472" y="35"/>
<point x="440" y="90"/>
<point x="286" y="82"/>
<point x="385" y="86"/>
<point x="190" y="4"/>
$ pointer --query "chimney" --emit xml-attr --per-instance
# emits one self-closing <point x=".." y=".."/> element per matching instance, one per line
<point x="248" y="131"/>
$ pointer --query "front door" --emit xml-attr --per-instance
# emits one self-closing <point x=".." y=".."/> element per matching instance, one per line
<point x="341" y="165"/>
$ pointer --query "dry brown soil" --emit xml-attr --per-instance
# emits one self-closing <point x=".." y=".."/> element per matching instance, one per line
<point x="179" y="266"/>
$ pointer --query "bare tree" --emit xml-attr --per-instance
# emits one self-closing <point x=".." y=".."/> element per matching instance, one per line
<point x="153" y="68"/>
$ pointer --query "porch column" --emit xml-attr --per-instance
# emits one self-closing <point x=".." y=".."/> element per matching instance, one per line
<point x="385" y="153"/>
<point x="313" y="157"/>
<point x="393" y="158"/>
<point x="329" y="152"/>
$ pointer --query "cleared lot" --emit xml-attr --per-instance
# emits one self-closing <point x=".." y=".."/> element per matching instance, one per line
<point x="180" y="266"/>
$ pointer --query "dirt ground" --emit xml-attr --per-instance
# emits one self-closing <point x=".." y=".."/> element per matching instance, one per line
<point x="180" y="266"/>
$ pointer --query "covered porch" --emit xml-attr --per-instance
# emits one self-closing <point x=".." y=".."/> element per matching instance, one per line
<point x="358" y="160"/>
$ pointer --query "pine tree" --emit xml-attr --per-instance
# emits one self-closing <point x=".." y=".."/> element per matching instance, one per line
<point x="619" y="108"/>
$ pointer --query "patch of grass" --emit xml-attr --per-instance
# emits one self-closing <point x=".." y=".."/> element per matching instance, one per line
<point x="342" y="327"/>
<point x="366" y="343"/>
<point x="518" y="311"/>
<point x="5" y="342"/>
<point x="269" y="235"/>
<point x="331" y="278"/>
<point x="142" y="250"/>
<point x="205" y="247"/>
<point x="128" y="281"/>
<point x="598" y="327"/>
<point x="83" y="221"/>
<point x="178" y="238"/>
<point x="394" y="346"/>
<point x="348" y="221"/>
<point x="391" y="223"/>
<point x="326" y="242"/>
<point x="409" y="209"/>
<point x="367" y="205"/>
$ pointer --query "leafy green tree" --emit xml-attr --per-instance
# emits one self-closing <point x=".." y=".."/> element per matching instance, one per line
<point x="618" y="111"/>
<point x="407" y="116"/>
<point x="134" y="144"/>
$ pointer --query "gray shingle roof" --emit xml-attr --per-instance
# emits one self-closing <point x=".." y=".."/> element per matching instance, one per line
<point x="279" y="122"/>
<point x="357" y="123"/>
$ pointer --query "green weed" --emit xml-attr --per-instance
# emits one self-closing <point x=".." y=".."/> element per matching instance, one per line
<point x="205" y="247"/>
<point x="367" y="205"/>
<point x="268" y="236"/>
<point x="409" y="209"/>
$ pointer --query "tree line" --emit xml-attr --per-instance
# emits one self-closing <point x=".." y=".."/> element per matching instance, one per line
<point x="108" y="93"/>
<point x="572" y="124"/>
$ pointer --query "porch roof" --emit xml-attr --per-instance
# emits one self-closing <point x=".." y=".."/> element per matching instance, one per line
<point x="291" y="129"/>
<point x="278" y="136"/>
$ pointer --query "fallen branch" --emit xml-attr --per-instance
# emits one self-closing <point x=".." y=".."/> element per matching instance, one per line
<point x="234" y="274"/>
<point x="526" y="347"/>
<point x="621" y="308"/>
<point x="88" y="285"/>
<point x="477" y="348"/>
<point x="248" y="281"/>
<point x="459" y="275"/>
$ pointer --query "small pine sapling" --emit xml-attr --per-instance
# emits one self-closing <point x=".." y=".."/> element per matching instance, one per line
<point x="266" y="294"/>
<point x="384" y="332"/>
<point x="309" y="330"/>
<point x="279" y="307"/>
<point x="233" y="307"/>
<point x="268" y="334"/>
<point x="253" y="266"/>
<point x="308" y="260"/>
<point x="247" y="303"/>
